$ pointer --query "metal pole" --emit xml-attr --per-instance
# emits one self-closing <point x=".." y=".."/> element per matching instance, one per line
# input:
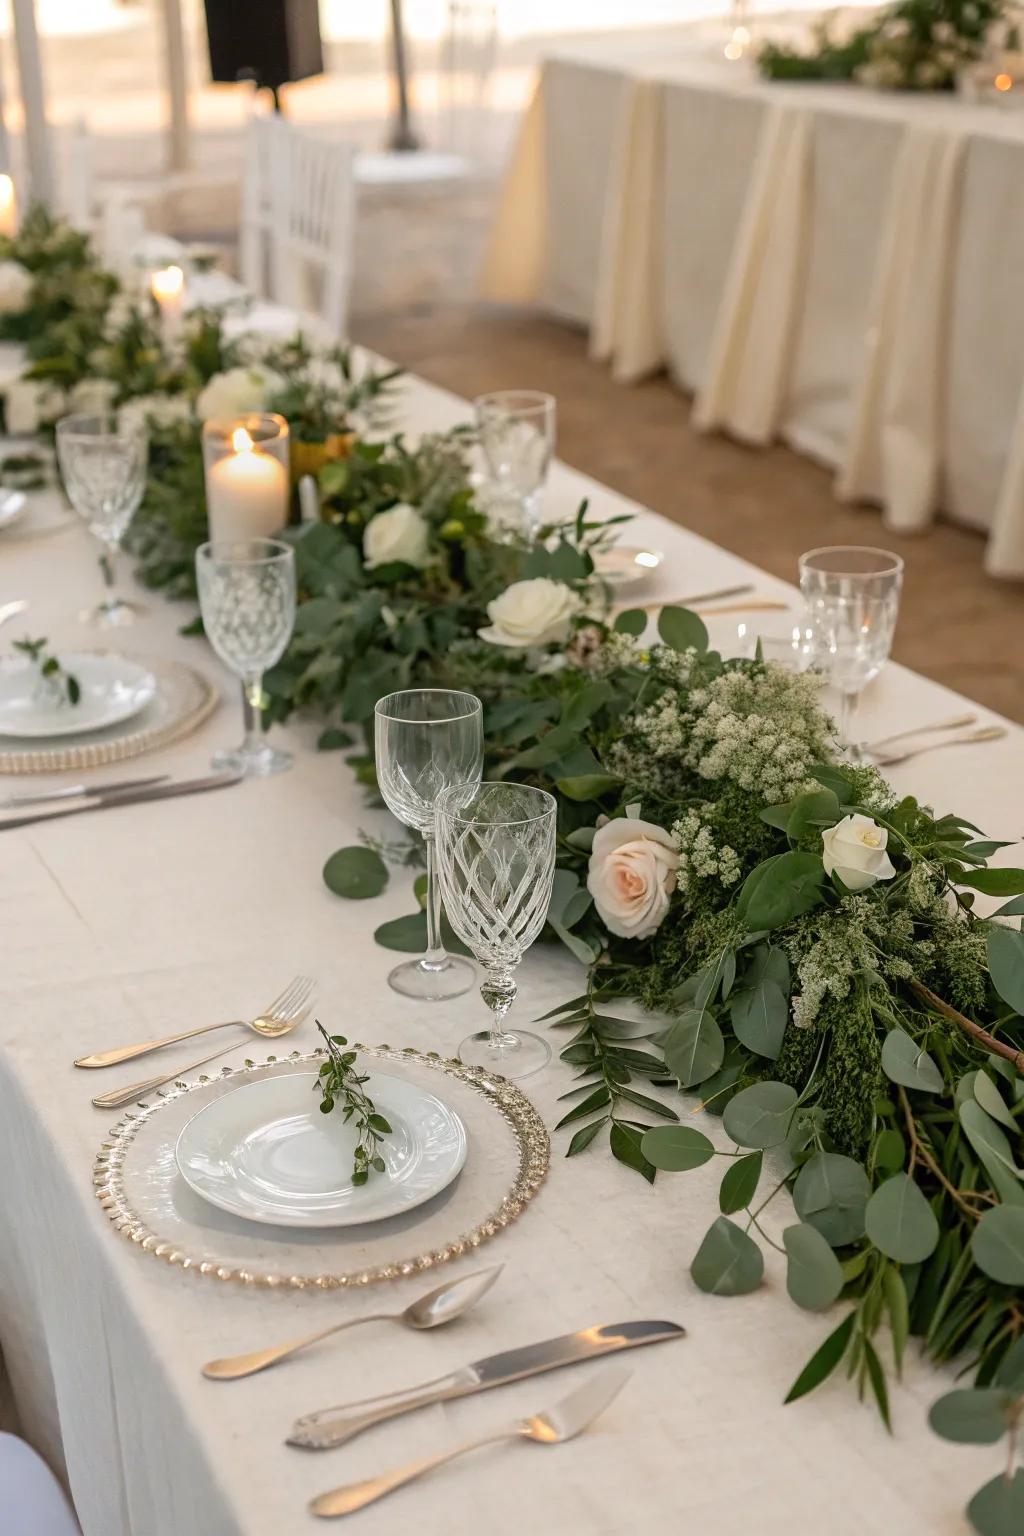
<point x="5" y="140"/>
<point x="178" y="152"/>
<point x="33" y="101"/>
<point x="402" y="136"/>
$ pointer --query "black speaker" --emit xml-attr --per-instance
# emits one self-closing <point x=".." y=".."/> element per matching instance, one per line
<point x="269" y="41"/>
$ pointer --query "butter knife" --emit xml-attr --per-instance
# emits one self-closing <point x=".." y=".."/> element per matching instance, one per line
<point x="330" y="1427"/>
<point x="133" y="797"/>
<point x="79" y="791"/>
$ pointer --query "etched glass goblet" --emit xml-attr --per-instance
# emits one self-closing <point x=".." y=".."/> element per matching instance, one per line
<point x="102" y="461"/>
<point x="247" y="600"/>
<point x="427" y="740"/>
<point x="517" y="434"/>
<point x="496" y="860"/>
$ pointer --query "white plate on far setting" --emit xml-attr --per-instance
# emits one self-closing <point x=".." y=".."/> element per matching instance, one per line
<point x="623" y="565"/>
<point x="266" y="1153"/>
<point x="113" y="689"/>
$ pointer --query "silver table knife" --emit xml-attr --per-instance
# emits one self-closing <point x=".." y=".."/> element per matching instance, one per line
<point x="132" y="797"/>
<point x="79" y="791"/>
<point x="330" y="1427"/>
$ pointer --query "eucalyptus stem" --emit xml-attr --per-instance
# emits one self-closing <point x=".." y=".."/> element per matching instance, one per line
<point x="998" y="1047"/>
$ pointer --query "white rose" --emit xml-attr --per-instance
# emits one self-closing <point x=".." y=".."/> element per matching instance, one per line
<point x="854" y="849"/>
<point x="157" y="410"/>
<point x="237" y="392"/>
<point x="16" y="284"/>
<point x="30" y="404"/>
<point x="632" y="874"/>
<point x="534" y="612"/>
<point x="92" y="396"/>
<point x="400" y="533"/>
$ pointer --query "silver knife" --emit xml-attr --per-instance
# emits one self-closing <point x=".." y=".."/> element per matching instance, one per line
<point x="76" y="791"/>
<point x="329" y="1427"/>
<point x="133" y="797"/>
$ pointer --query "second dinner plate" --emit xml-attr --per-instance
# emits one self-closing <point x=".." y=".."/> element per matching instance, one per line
<point x="113" y="689"/>
<point x="266" y="1153"/>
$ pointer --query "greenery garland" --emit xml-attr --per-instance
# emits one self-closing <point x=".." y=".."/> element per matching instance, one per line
<point x="803" y="941"/>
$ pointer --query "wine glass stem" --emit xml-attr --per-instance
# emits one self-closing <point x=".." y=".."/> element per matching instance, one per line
<point x="436" y="958"/>
<point x="848" y="711"/>
<point x="498" y="992"/>
<point x="108" y="565"/>
<point x="252" y="713"/>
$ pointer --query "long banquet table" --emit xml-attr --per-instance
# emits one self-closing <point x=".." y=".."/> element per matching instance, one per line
<point x="124" y="925"/>
<point x="837" y="266"/>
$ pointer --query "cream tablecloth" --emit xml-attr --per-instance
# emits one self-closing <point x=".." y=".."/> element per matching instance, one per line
<point x="120" y="926"/>
<point x="835" y="266"/>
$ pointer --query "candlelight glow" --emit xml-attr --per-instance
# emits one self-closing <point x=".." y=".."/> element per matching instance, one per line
<point x="241" y="442"/>
<point x="168" y="283"/>
<point x="1003" y="82"/>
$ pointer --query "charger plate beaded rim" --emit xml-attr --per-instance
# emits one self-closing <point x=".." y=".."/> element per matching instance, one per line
<point x="528" y="1130"/>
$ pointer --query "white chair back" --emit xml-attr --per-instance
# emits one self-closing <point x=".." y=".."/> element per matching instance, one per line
<point x="314" y="227"/>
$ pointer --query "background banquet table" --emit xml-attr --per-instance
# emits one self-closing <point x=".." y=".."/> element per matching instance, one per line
<point x="840" y="267"/>
<point x="124" y="925"/>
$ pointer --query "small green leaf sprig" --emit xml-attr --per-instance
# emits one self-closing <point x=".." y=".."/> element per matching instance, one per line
<point x="65" y="684"/>
<point x="340" y="1085"/>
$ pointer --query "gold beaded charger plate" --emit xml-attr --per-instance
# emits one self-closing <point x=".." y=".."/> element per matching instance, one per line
<point x="138" y="1184"/>
<point x="182" y="701"/>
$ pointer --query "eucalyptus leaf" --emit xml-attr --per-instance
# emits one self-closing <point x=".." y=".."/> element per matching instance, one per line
<point x="997" y="1508"/>
<point x="811" y="811"/>
<point x="831" y="1192"/>
<point x="587" y="786"/>
<point x="1006" y="964"/>
<point x="409" y="935"/>
<point x="905" y="1062"/>
<point x="759" y="1018"/>
<point x="728" y="1261"/>
<point x="739" y="1184"/>
<point x="632" y="621"/>
<point x="900" y="1222"/>
<point x="626" y="1143"/>
<point x="824" y="1360"/>
<point x="998" y="1244"/>
<point x="682" y="630"/>
<point x="694" y="1047"/>
<point x="676" y="1148"/>
<point x="992" y="1101"/>
<point x="814" y="1277"/>
<point x="781" y="889"/>
<point x="991" y="1145"/>
<point x="1014" y="908"/>
<point x="759" y="1116"/>
<point x="355" y="873"/>
<point x="972" y="1415"/>
<point x="994" y="882"/>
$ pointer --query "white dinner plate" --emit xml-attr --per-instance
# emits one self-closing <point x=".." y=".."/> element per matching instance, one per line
<point x="113" y="689"/>
<point x="13" y="506"/>
<point x="624" y="565"/>
<point x="266" y="1153"/>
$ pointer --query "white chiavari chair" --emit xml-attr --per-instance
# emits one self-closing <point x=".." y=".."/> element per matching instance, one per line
<point x="263" y="196"/>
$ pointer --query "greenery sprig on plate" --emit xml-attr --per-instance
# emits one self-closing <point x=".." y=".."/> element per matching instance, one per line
<point x="341" y="1088"/>
<point x="64" y="686"/>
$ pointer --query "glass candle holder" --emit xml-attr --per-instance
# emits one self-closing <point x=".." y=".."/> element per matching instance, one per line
<point x="247" y="477"/>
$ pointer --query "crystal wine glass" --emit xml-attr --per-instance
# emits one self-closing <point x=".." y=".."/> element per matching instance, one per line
<point x="852" y="595"/>
<point x="427" y="740"/>
<point x="517" y="434"/>
<point x="496" y="859"/>
<point x="103" y="465"/>
<point x="247" y="599"/>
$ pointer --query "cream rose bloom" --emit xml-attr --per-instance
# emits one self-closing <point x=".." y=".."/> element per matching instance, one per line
<point x="400" y="533"/>
<point x="157" y="410"/>
<point x="30" y="404"/>
<point x="632" y="874"/>
<point x="15" y="287"/>
<point x="534" y="612"/>
<point x="854" y="849"/>
<point x="238" y="391"/>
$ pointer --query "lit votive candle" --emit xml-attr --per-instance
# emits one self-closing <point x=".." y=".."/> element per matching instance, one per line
<point x="246" y="491"/>
<point x="8" y="207"/>
<point x="168" y="288"/>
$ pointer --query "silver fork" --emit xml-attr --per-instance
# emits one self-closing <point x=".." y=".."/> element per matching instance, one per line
<point x="884" y="742"/>
<point x="986" y="733"/>
<point x="275" y="1020"/>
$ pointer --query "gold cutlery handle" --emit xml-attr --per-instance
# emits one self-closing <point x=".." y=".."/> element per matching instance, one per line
<point x="353" y="1496"/>
<point x="122" y="1053"/>
<point x="923" y="730"/>
<point x="120" y="1096"/>
<point x="330" y="1427"/>
<point x="234" y="1366"/>
<point x="986" y="733"/>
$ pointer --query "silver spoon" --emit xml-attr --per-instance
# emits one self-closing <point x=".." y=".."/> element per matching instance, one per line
<point x="442" y="1305"/>
<point x="564" y="1421"/>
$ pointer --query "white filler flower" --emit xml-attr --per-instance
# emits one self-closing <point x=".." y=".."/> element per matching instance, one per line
<point x="854" y="849"/>
<point x="15" y="287"/>
<point x="237" y="391"/>
<point x="400" y="533"/>
<point x="632" y="874"/>
<point x="534" y="612"/>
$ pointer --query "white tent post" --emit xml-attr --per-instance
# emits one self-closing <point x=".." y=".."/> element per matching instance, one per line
<point x="33" y="101"/>
<point x="178" y="156"/>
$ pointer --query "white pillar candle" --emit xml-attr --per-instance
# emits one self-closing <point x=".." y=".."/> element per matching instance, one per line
<point x="246" y="492"/>
<point x="8" y="208"/>
<point x="168" y="286"/>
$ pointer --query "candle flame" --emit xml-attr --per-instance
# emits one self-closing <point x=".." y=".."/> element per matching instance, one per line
<point x="6" y="189"/>
<point x="1003" y="82"/>
<point x="168" y="282"/>
<point x="241" y="442"/>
